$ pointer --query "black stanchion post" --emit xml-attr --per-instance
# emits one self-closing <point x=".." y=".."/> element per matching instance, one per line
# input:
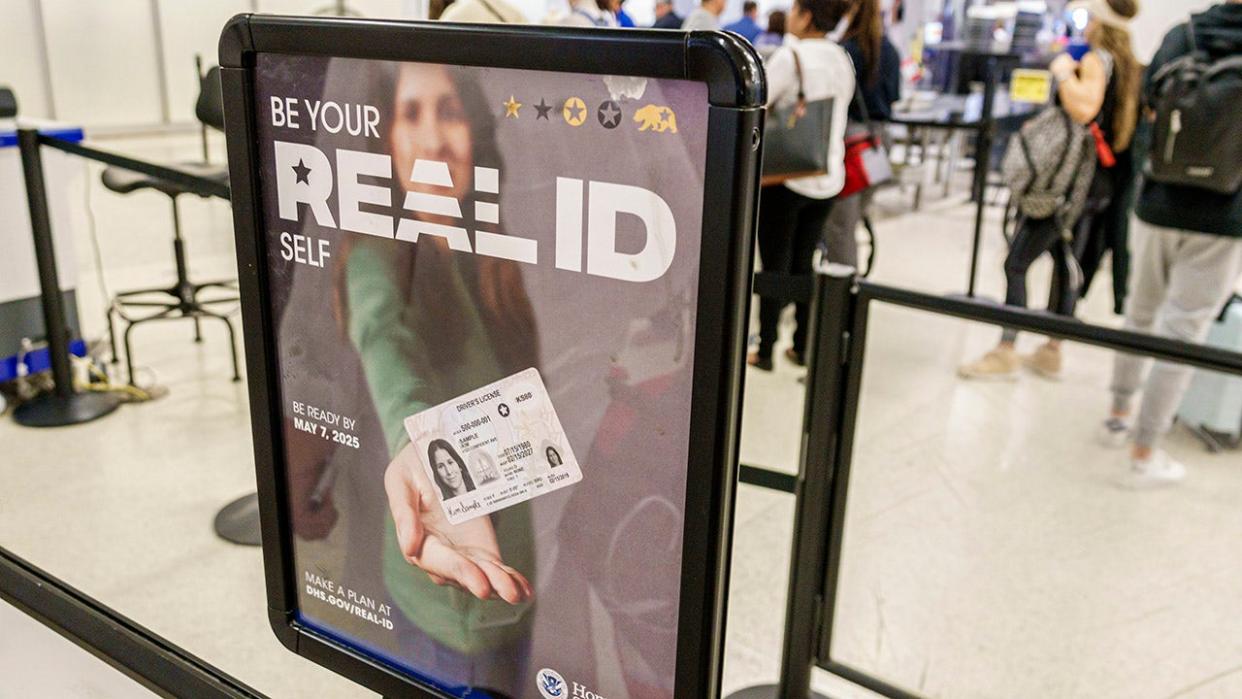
<point x="238" y="521"/>
<point x="832" y="312"/>
<point x="983" y="164"/>
<point x="63" y="406"/>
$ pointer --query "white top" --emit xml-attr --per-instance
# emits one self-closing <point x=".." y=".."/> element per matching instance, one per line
<point x="827" y="71"/>
<point x="587" y="13"/>
<point x="701" y="20"/>
<point x="483" y="11"/>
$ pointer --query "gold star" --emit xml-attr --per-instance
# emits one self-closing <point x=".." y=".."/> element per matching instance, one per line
<point x="574" y="111"/>
<point x="512" y="107"/>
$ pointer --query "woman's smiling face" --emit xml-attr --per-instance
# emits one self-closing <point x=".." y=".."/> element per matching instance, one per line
<point x="448" y="470"/>
<point x="430" y="123"/>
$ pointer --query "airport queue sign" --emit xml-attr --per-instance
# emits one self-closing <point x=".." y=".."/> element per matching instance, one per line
<point x="494" y="284"/>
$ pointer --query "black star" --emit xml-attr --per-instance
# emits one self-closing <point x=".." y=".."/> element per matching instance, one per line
<point x="543" y="108"/>
<point x="503" y="410"/>
<point x="301" y="172"/>
<point x="609" y="115"/>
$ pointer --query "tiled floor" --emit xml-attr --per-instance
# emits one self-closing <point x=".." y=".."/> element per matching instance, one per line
<point x="987" y="554"/>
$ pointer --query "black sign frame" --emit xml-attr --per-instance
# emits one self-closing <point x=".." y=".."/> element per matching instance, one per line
<point x="734" y="76"/>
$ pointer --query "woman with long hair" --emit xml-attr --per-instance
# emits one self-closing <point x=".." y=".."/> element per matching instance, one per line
<point x="876" y="60"/>
<point x="877" y="66"/>
<point x="774" y="36"/>
<point x="1102" y="88"/>
<point x="429" y="324"/>
<point x="1107" y="230"/>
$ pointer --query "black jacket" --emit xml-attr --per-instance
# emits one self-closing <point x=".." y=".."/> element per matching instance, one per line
<point x="1219" y="30"/>
<point x="880" y="87"/>
<point x="669" y="21"/>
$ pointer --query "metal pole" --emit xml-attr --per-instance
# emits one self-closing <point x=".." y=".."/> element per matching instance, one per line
<point x="983" y="162"/>
<point x="63" y="406"/>
<point x="54" y="323"/>
<point x="831" y="313"/>
<point x="202" y="127"/>
<point x="161" y="68"/>
<point x="45" y="63"/>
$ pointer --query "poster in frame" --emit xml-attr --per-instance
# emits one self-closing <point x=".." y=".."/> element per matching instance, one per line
<point x="611" y="294"/>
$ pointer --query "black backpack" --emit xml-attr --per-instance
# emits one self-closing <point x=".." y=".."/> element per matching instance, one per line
<point x="1198" y="133"/>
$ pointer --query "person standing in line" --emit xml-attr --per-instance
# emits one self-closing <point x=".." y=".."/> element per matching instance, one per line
<point x="482" y="11"/>
<point x="666" y="18"/>
<point x="747" y="26"/>
<point x="1107" y="229"/>
<point x="706" y="17"/>
<point x="588" y="13"/>
<point x="1098" y="85"/>
<point x="1104" y="225"/>
<point x="623" y="18"/>
<point x="878" y="66"/>
<point x="1187" y="265"/>
<point x="774" y="37"/>
<point x="792" y="215"/>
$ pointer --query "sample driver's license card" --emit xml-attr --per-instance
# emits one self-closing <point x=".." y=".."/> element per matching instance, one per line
<point x="494" y="447"/>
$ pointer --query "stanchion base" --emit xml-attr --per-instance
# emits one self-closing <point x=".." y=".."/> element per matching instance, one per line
<point x="768" y="691"/>
<point x="52" y="410"/>
<point x="238" y="521"/>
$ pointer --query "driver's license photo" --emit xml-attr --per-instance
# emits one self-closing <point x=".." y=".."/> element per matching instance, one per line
<point x="493" y="447"/>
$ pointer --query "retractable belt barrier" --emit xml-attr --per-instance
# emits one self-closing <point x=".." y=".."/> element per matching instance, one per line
<point x="197" y="185"/>
<point x="151" y="660"/>
<point x="840" y="309"/>
<point x="238" y="521"/>
<point x="64" y="405"/>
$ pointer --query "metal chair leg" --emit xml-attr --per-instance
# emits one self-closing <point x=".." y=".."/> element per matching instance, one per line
<point x="129" y="356"/>
<point x="198" y="330"/>
<point x="232" y="342"/>
<point x="112" y="336"/>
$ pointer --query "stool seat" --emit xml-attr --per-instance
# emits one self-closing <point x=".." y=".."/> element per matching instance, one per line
<point x="181" y="300"/>
<point x="123" y="181"/>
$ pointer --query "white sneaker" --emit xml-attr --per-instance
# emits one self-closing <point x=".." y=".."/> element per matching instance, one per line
<point x="1113" y="433"/>
<point x="1157" y="471"/>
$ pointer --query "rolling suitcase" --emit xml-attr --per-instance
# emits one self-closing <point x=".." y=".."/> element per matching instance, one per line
<point x="1212" y="408"/>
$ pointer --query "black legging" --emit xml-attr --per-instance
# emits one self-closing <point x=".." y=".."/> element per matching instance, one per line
<point x="790" y="226"/>
<point x="1107" y="228"/>
<point x="1033" y="238"/>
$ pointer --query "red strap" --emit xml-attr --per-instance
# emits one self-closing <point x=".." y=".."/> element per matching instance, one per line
<point x="1102" y="149"/>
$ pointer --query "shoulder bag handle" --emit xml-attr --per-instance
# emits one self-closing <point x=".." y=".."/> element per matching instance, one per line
<point x="799" y="109"/>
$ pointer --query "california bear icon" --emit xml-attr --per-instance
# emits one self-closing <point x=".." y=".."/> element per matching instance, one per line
<point x="656" y="117"/>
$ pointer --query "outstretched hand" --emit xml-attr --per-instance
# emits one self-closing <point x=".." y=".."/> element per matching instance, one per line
<point x="464" y="555"/>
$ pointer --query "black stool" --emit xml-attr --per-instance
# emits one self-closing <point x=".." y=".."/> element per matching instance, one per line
<point x="182" y="299"/>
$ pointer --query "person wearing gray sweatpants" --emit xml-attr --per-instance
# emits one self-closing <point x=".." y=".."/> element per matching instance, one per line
<point x="1188" y="265"/>
<point x="1182" y="279"/>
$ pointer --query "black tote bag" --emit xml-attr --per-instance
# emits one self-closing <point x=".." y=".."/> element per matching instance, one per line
<point x="796" y="137"/>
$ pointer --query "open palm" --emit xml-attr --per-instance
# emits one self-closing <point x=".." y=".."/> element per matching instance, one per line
<point x="463" y="555"/>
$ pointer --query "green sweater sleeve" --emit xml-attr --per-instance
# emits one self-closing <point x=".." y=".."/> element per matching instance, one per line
<point x="385" y="335"/>
<point x="385" y="343"/>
